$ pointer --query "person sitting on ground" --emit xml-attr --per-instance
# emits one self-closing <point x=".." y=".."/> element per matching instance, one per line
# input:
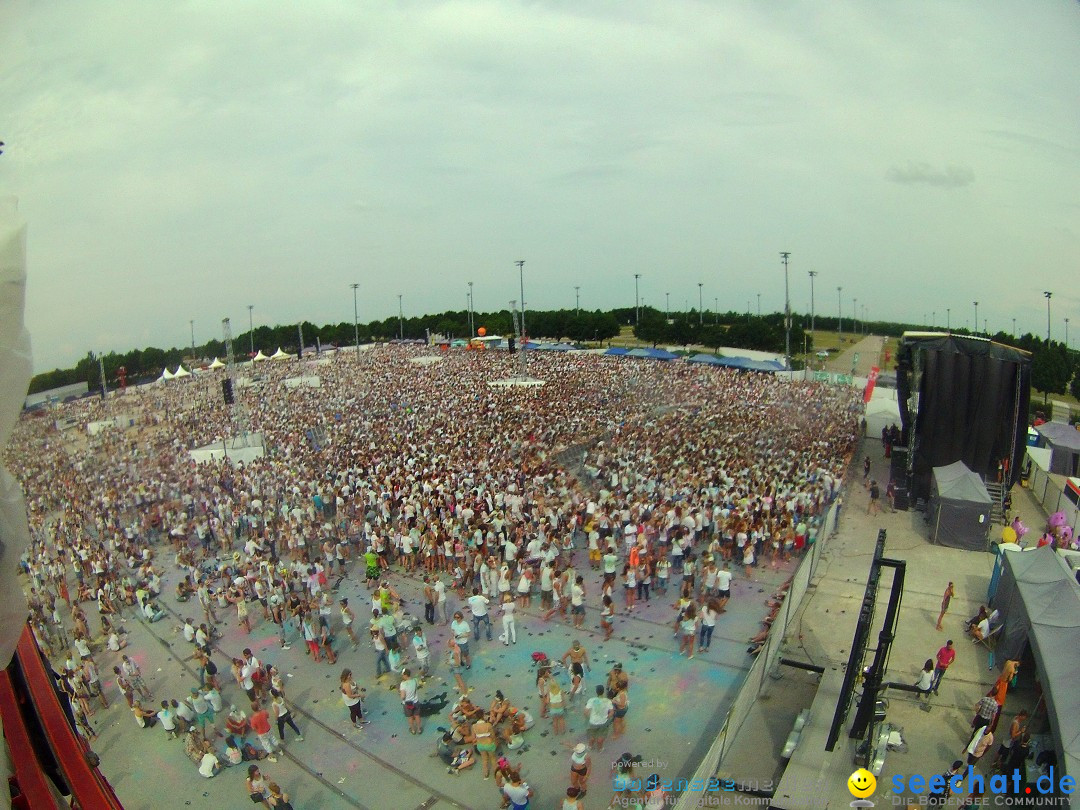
<point x="455" y="759"/>
<point x="209" y="765"/>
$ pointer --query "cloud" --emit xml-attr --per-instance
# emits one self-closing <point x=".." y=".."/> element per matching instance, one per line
<point x="951" y="176"/>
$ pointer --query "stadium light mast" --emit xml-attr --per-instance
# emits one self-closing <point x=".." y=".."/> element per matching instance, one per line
<point x="785" y="255"/>
<point x="948" y="319"/>
<point x="251" y="329"/>
<point x="758" y="305"/>
<point x="839" y="312"/>
<point x="637" y="300"/>
<point x="1048" y="294"/>
<point x="192" y="322"/>
<point x="1066" y="334"/>
<point x="400" y="319"/>
<point x="667" y="306"/>
<point x="577" y="300"/>
<point x="975" y="328"/>
<point x="521" y="280"/>
<point x="355" y="321"/>
<point x="812" y="274"/>
<point x="700" y="308"/>
<point x="716" y="309"/>
<point x="472" y="322"/>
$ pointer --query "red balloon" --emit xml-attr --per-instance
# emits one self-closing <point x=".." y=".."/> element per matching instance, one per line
<point x="481" y="331"/>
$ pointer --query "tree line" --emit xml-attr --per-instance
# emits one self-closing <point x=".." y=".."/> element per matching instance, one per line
<point x="1054" y="369"/>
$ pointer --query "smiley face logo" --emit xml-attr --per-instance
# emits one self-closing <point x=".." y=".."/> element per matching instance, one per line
<point x="862" y="784"/>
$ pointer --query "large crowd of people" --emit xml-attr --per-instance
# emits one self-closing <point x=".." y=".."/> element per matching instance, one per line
<point x="650" y="477"/>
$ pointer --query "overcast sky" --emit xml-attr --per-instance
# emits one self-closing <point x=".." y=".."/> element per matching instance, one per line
<point x="183" y="160"/>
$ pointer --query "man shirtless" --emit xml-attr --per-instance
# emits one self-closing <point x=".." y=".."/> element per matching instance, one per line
<point x="579" y="663"/>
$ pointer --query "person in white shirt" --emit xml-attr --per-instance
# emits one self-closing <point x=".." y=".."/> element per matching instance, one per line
<point x="723" y="586"/>
<point x="209" y="765"/>
<point x="599" y="711"/>
<point x="509" y="631"/>
<point x="478" y="604"/>
<point x="410" y="701"/>
<point x="420" y="648"/>
<point x="440" y="600"/>
<point x="577" y="601"/>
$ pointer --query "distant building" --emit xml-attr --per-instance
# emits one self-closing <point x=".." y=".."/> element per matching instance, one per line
<point x="54" y="395"/>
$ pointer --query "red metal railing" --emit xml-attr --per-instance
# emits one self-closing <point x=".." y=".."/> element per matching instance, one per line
<point x="89" y="789"/>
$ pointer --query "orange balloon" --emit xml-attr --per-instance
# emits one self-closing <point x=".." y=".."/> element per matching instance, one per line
<point x="481" y="331"/>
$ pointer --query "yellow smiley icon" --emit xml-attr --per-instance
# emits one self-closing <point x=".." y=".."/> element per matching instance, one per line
<point x="861" y="783"/>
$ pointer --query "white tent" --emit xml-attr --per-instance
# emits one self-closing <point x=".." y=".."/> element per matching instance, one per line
<point x="280" y="355"/>
<point x="181" y="372"/>
<point x="216" y="364"/>
<point x="166" y="374"/>
<point x="882" y="411"/>
<point x="259" y="356"/>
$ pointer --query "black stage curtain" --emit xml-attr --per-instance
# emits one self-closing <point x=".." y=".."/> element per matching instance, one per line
<point x="973" y="405"/>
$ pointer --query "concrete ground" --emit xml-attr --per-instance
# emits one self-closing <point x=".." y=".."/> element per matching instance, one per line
<point x="822" y="631"/>
<point x="677" y="706"/>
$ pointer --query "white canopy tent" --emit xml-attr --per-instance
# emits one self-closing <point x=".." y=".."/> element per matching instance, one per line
<point x="166" y="375"/>
<point x="280" y="355"/>
<point x="882" y="411"/>
<point x="181" y="372"/>
<point x="216" y="364"/>
<point x="259" y="357"/>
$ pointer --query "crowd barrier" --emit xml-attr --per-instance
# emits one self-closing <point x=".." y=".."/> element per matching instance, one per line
<point x="1051" y="495"/>
<point x="764" y="663"/>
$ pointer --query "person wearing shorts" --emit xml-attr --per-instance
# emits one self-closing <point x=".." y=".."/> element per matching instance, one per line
<point x="599" y="711"/>
<point x="410" y="701"/>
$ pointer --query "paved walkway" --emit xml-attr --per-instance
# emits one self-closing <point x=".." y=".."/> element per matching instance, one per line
<point x="822" y="632"/>
<point x="677" y="708"/>
<point x="869" y="351"/>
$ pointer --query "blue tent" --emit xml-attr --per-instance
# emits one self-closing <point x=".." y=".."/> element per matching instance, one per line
<point x="654" y="354"/>
<point x="706" y="359"/>
<point x="617" y="351"/>
<point x="746" y="364"/>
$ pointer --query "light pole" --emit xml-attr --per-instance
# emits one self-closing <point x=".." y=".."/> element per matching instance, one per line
<point x="700" y="310"/>
<point x="839" y="312"/>
<point x="192" y="337"/>
<point x="812" y="274"/>
<point x="355" y="321"/>
<point x="577" y="300"/>
<point x="637" y="305"/>
<point x="667" y="306"/>
<point x="1047" y="293"/>
<point x="1014" y="327"/>
<point x="472" y="322"/>
<point x="948" y="319"/>
<point x="400" y="319"/>
<point x="521" y="280"/>
<point x="1066" y="334"/>
<point x="784" y="255"/>
<point x="933" y="319"/>
<point x="855" y="316"/>
<point x="251" y="330"/>
<point x="975" y="326"/>
<point x="758" y="305"/>
<point x="716" y="309"/>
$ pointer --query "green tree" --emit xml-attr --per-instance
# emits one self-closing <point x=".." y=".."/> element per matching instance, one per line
<point x="1050" y="370"/>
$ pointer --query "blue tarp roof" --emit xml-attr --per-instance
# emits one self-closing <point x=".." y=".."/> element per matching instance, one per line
<point x="707" y="359"/>
<point x="747" y="364"/>
<point x="654" y="354"/>
<point x="617" y="351"/>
